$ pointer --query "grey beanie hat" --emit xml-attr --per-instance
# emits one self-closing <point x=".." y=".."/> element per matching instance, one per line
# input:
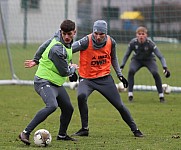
<point x="100" y="26"/>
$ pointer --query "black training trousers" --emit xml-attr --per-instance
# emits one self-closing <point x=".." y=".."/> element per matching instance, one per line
<point x="53" y="97"/>
<point x="151" y="65"/>
<point x="105" y="86"/>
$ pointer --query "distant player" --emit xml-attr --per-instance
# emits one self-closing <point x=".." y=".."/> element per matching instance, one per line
<point x="144" y="56"/>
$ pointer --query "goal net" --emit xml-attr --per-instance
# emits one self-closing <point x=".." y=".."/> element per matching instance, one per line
<point x="25" y="24"/>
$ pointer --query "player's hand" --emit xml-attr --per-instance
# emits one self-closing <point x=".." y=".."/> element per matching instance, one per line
<point x="166" y="72"/>
<point x="29" y="63"/>
<point x="73" y="78"/>
<point x="124" y="81"/>
<point x="121" y="67"/>
<point x="74" y="65"/>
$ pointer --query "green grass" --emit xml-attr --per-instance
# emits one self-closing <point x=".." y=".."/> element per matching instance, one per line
<point x="159" y="122"/>
<point x="172" y="53"/>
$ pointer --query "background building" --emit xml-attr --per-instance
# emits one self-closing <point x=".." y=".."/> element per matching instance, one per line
<point x="36" y="20"/>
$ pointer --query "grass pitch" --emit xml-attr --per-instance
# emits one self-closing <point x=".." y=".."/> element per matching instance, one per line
<point x="160" y="123"/>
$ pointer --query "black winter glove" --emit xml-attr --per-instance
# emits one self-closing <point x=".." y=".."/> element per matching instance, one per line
<point x="121" y="67"/>
<point x="73" y="77"/>
<point x="166" y="72"/>
<point x="124" y="81"/>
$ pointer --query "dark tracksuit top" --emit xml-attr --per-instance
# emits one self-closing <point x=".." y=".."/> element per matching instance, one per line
<point x="143" y="56"/>
<point x="105" y="85"/>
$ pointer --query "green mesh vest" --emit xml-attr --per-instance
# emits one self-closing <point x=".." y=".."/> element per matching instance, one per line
<point x="47" y="69"/>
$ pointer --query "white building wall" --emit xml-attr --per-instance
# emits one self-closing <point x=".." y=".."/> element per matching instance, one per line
<point x="41" y="23"/>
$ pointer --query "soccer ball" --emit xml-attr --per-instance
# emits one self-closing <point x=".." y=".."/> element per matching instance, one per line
<point x="73" y="85"/>
<point x="120" y="87"/>
<point x="42" y="137"/>
<point x="166" y="88"/>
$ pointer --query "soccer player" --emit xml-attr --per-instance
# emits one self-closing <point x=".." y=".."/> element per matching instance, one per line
<point x="97" y="54"/>
<point x="53" y="59"/>
<point x="144" y="56"/>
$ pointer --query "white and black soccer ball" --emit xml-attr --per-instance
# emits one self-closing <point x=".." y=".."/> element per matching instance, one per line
<point x="73" y="85"/>
<point x="42" y="138"/>
<point x="166" y="88"/>
<point x="120" y="87"/>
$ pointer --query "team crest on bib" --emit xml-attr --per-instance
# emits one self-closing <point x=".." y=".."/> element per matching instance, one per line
<point x="136" y="46"/>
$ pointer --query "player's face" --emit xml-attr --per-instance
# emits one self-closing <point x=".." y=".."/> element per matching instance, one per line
<point x="141" y="36"/>
<point x="68" y="36"/>
<point x="99" y="37"/>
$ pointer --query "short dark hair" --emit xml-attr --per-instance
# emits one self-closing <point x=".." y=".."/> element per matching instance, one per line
<point x="67" y="26"/>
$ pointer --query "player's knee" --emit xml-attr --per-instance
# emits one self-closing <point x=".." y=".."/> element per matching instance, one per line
<point x="131" y="71"/>
<point x="82" y="97"/>
<point x="120" y="106"/>
<point x="52" y="107"/>
<point x="155" y="74"/>
<point x="69" y="110"/>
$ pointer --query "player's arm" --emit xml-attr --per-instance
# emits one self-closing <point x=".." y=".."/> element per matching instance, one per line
<point x="160" y="56"/>
<point x="81" y="44"/>
<point x="115" y="64"/>
<point x="58" y="56"/>
<point x="163" y="61"/>
<point x="29" y="63"/>
<point x="114" y="59"/>
<point x="40" y="51"/>
<point x="126" y="56"/>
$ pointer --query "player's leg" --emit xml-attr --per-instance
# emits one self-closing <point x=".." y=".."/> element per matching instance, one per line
<point x="108" y="89"/>
<point x="83" y="91"/>
<point x="67" y="109"/>
<point x="134" y="66"/>
<point x="153" y="68"/>
<point x="48" y="94"/>
<point x="46" y="91"/>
